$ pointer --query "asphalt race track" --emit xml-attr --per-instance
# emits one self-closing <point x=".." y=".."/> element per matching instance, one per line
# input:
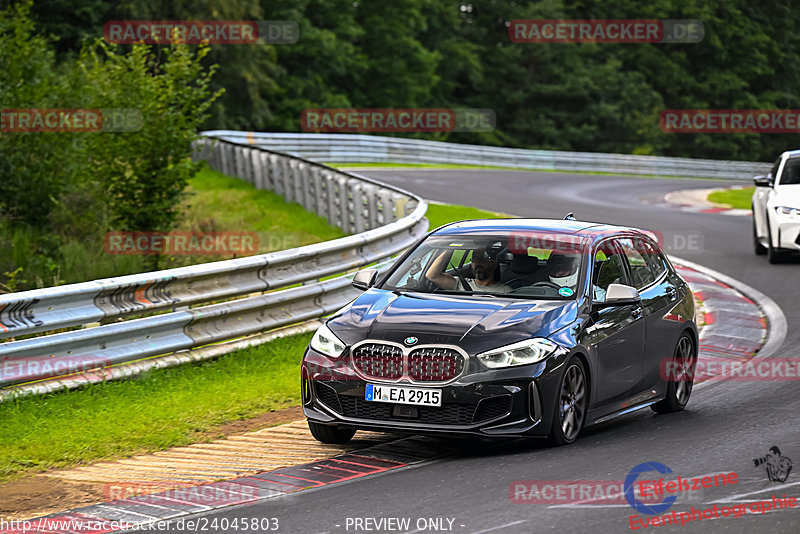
<point x="723" y="429"/>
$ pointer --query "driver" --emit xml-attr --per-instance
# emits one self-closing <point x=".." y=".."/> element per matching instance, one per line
<point x="483" y="270"/>
<point x="563" y="270"/>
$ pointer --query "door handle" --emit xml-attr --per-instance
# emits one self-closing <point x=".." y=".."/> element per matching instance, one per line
<point x="636" y="312"/>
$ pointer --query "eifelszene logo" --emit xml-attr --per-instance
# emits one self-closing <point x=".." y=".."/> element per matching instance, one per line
<point x="630" y="496"/>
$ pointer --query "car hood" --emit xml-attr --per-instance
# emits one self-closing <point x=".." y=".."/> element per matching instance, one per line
<point x="787" y="196"/>
<point x="473" y="323"/>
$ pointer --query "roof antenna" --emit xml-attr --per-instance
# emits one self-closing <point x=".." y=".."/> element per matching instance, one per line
<point x="570" y="217"/>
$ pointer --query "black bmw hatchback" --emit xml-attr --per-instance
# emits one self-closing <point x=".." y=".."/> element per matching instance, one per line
<point x="508" y="327"/>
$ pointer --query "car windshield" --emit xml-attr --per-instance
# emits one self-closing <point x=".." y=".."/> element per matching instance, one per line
<point x="526" y="264"/>
<point x="791" y="172"/>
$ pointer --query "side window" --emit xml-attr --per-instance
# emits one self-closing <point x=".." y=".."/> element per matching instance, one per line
<point x="639" y="267"/>
<point x="654" y="258"/>
<point x="458" y="259"/>
<point x="608" y="269"/>
<point x="791" y="172"/>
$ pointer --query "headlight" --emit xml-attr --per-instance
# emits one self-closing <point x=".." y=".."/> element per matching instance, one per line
<point x="327" y="343"/>
<point x="785" y="210"/>
<point x="522" y="353"/>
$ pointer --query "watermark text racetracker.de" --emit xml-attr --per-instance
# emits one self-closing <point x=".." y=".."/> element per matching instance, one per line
<point x="521" y="242"/>
<point x="354" y="120"/>
<point x="162" y="493"/>
<point x="605" y="31"/>
<point x="730" y="121"/>
<point x="201" y="31"/>
<point x="29" y="368"/>
<point x="181" y="243"/>
<point x="75" y="120"/>
<point x="568" y="492"/>
<point x="770" y="370"/>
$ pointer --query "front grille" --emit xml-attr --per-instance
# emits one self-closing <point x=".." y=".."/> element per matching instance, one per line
<point x="493" y="408"/>
<point x="377" y="360"/>
<point x="434" y="364"/>
<point x="363" y="409"/>
<point x="449" y="414"/>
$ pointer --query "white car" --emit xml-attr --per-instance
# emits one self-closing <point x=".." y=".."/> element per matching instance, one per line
<point x="776" y="208"/>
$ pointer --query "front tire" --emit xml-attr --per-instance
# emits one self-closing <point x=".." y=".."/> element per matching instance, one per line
<point x="774" y="254"/>
<point x="758" y="248"/>
<point x="679" y="388"/>
<point x="569" y="413"/>
<point x="334" y="435"/>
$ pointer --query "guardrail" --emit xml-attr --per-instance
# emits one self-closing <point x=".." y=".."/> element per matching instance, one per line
<point x="385" y="221"/>
<point x="351" y="148"/>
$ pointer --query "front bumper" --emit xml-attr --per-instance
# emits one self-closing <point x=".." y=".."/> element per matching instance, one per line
<point x="787" y="232"/>
<point x="511" y="402"/>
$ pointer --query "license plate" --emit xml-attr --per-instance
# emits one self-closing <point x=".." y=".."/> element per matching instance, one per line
<point x="402" y="395"/>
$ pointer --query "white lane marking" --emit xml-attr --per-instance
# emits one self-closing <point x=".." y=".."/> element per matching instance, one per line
<point x="501" y="526"/>
<point x="733" y="498"/>
<point x="580" y="505"/>
<point x="420" y="530"/>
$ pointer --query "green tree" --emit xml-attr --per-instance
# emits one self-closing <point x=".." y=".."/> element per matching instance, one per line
<point x="144" y="172"/>
<point x="36" y="167"/>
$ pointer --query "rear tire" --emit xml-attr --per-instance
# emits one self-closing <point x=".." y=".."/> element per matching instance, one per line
<point x="331" y="434"/>
<point x="572" y="401"/>
<point x="679" y="387"/>
<point x="758" y="248"/>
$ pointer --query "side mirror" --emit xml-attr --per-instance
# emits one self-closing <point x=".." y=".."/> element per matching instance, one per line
<point x="764" y="181"/>
<point x="619" y="295"/>
<point x="365" y="279"/>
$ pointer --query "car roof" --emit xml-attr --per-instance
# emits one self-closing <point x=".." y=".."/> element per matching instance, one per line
<point x="792" y="153"/>
<point x="590" y="230"/>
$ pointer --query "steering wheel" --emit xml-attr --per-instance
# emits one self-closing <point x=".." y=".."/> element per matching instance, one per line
<point x="521" y="281"/>
<point x="546" y="283"/>
<point x="424" y="285"/>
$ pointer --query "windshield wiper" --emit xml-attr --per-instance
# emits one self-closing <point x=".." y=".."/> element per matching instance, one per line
<point x="469" y="294"/>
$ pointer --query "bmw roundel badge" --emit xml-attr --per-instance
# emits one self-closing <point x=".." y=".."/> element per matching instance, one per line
<point x="410" y="340"/>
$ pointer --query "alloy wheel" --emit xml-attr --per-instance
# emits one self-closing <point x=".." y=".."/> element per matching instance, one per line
<point x="572" y="402"/>
<point x="684" y="357"/>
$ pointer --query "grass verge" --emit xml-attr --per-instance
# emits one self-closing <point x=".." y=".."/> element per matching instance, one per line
<point x="379" y="165"/>
<point x="445" y="166"/>
<point x="440" y="214"/>
<point x="735" y="198"/>
<point x="220" y="203"/>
